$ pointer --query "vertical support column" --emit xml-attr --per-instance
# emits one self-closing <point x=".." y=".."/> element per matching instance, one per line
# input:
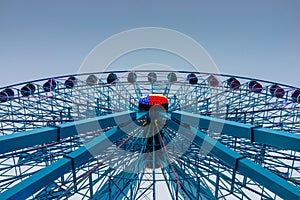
<point x="236" y="114"/>
<point x="227" y="111"/>
<point x="137" y="90"/>
<point x="262" y="154"/>
<point x="60" y="117"/>
<point x="109" y="188"/>
<point x="91" y="186"/>
<point x="217" y="186"/>
<point x="78" y="116"/>
<point x="108" y="105"/>
<point x="207" y="105"/>
<point x="130" y="105"/>
<point x="152" y="89"/>
<point x="154" y="183"/>
<point x="98" y="107"/>
<point x="244" y="181"/>
<point x="232" y="181"/>
<point x="74" y="177"/>
<point x="131" y="192"/>
<point x="176" y="194"/>
<point x="69" y="114"/>
<point x="198" y="189"/>
<point x="153" y="160"/>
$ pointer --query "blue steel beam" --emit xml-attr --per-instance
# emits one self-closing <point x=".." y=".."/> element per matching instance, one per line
<point x="45" y="135"/>
<point x="239" y="163"/>
<point x="276" y="138"/>
<point x="207" y="143"/>
<point x="25" y="139"/>
<point x="45" y="176"/>
<point x="35" y="182"/>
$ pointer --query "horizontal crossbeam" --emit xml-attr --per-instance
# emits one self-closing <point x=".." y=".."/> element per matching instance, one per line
<point x="276" y="138"/>
<point x="47" y="175"/>
<point x="72" y="160"/>
<point x="239" y="163"/>
<point x="46" y="135"/>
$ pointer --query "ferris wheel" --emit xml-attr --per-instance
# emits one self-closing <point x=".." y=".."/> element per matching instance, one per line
<point x="149" y="135"/>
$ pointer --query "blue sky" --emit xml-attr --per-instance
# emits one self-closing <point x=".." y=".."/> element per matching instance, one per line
<point x="257" y="39"/>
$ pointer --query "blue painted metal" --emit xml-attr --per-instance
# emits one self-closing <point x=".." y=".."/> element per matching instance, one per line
<point x="208" y="144"/>
<point x="75" y="158"/>
<point x="268" y="179"/>
<point x="242" y="164"/>
<point x="25" y="139"/>
<point x="189" y="188"/>
<point x="45" y="135"/>
<point x="280" y="139"/>
<point x="228" y="174"/>
<point x="117" y="187"/>
<point x="38" y="180"/>
<point x="277" y="138"/>
<point x="59" y="168"/>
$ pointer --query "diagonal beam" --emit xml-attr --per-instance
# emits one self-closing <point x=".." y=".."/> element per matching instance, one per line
<point x="117" y="187"/>
<point x="45" y="176"/>
<point x="239" y="163"/>
<point x="45" y="135"/>
<point x="194" y="190"/>
<point x="276" y="138"/>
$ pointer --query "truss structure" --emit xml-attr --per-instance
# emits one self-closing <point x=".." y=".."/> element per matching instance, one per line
<point x="82" y="137"/>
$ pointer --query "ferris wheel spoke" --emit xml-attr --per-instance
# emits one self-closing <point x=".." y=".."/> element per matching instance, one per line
<point x="147" y="151"/>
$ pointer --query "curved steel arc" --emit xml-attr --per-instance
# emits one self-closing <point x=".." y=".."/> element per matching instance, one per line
<point x="257" y="152"/>
<point x="125" y="71"/>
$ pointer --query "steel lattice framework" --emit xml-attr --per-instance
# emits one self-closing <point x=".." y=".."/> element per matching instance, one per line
<point x="52" y="149"/>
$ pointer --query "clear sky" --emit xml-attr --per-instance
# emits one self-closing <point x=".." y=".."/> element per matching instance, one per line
<point x="256" y="38"/>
